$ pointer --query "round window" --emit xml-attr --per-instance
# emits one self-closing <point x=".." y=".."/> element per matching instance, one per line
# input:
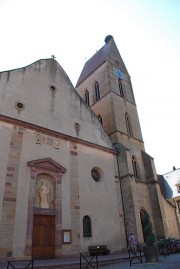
<point x="52" y="88"/>
<point x="96" y="175"/>
<point x="19" y="106"/>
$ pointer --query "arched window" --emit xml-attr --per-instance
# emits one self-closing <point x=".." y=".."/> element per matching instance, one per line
<point x="99" y="118"/>
<point x="128" y="125"/>
<point x="135" y="166"/>
<point x="87" y="97"/>
<point x="120" y="87"/>
<point x="87" y="226"/>
<point x="97" y="93"/>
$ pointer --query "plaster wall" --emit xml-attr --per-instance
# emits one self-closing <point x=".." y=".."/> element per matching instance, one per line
<point x="57" y="110"/>
<point x="96" y="199"/>
<point x="99" y="200"/>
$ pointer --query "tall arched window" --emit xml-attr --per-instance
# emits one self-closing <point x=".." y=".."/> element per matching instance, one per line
<point x="128" y="125"/>
<point x="97" y="93"/>
<point x="87" y="226"/>
<point x="120" y="87"/>
<point x="135" y="166"/>
<point x="87" y="97"/>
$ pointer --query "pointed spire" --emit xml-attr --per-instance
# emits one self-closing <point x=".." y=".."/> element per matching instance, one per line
<point x="108" y="52"/>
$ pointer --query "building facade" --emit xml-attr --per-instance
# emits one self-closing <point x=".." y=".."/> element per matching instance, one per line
<point x="74" y="171"/>
<point x="170" y="189"/>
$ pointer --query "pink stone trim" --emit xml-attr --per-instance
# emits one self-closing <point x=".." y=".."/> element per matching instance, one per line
<point x="6" y="199"/>
<point x="10" y="168"/>
<point x="74" y="153"/>
<point x="9" y="175"/>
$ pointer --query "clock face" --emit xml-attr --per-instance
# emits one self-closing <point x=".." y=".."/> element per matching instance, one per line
<point x="119" y="73"/>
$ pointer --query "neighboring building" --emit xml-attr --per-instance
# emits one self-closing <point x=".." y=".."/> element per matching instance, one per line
<point x="74" y="171"/>
<point x="170" y="185"/>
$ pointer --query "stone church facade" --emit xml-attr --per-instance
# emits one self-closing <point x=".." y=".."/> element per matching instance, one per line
<point x="74" y="170"/>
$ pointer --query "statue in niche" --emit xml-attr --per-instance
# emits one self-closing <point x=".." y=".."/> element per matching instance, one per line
<point x="43" y="194"/>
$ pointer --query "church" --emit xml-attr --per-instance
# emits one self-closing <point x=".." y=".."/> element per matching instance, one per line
<point x="74" y="170"/>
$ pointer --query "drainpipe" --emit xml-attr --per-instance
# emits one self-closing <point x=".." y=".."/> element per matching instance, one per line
<point x="122" y="198"/>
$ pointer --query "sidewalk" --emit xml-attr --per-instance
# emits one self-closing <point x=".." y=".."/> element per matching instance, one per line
<point x="113" y="261"/>
<point x="169" y="262"/>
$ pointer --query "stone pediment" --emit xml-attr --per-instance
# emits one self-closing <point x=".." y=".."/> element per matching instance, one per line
<point x="47" y="164"/>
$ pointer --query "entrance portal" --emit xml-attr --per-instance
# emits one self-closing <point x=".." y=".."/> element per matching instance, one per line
<point x="43" y="240"/>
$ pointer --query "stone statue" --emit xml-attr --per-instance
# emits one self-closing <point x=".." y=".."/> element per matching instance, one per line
<point x="43" y="194"/>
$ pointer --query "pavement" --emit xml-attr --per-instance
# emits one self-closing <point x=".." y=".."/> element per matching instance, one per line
<point x="112" y="261"/>
<point x="168" y="262"/>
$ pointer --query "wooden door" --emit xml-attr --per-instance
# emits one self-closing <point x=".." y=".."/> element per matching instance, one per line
<point x="43" y="241"/>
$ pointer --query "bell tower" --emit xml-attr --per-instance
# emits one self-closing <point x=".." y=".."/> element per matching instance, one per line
<point x="105" y="85"/>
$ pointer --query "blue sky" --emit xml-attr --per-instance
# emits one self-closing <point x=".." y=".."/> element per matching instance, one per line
<point x="147" y="34"/>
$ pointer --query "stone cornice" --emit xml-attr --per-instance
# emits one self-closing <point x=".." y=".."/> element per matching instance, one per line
<point x="59" y="135"/>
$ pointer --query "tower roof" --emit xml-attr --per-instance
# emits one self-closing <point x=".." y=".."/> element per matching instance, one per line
<point x="108" y="52"/>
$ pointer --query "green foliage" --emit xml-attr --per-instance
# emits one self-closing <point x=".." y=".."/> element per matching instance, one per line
<point x="146" y="218"/>
<point x="147" y="229"/>
<point x="168" y="242"/>
<point x="150" y="240"/>
<point x="162" y="243"/>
